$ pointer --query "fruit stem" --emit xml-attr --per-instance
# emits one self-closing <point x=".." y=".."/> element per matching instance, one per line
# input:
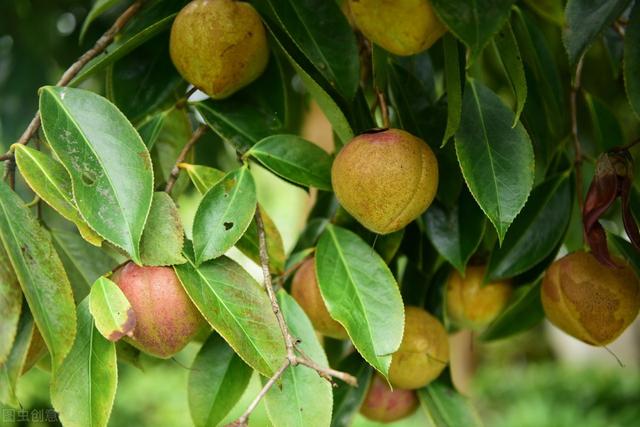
<point x="384" y="110"/>
<point x="175" y="172"/>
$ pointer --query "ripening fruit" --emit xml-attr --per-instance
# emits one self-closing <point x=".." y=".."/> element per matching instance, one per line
<point x="423" y="352"/>
<point x="588" y="300"/>
<point x="385" y="179"/>
<point x="219" y="46"/>
<point x="166" y="319"/>
<point x="306" y="292"/>
<point x="402" y="27"/>
<point x="472" y="304"/>
<point x="385" y="405"/>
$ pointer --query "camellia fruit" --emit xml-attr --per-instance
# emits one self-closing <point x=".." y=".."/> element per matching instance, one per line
<point x="385" y="405"/>
<point x="219" y="46"/>
<point x="385" y="179"/>
<point x="402" y="27"/>
<point x="588" y="300"/>
<point x="423" y="352"/>
<point x="306" y="292"/>
<point x="473" y="304"/>
<point x="166" y="319"/>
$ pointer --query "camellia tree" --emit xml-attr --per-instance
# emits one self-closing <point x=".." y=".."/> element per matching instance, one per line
<point x="480" y="149"/>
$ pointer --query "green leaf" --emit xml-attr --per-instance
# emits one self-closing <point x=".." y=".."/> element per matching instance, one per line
<point x="551" y="10"/>
<point x="627" y="251"/>
<point x="453" y="86"/>
<point x="361" y="293"/>
<point x="224" y="214"/>
<point x="163" y="234"/>
<point x="203" y="177"/>
<point x="113" y="315"/>
<point x="347" y="399"/>
<point x="98" y="8"/>
<point x="509" y="53"/>
<point x="39" y="271"/>
<point x="83" y="390"/>
<point x="524" y="312"/>
<point x="456" y="232"/>
<point x="295" y="159"/>
<point x="308" y="23"/>
<point x="632" y="59"/>
<point x="538" y="229"/>
<point x="217" y="380"/>
<point x="50" y="181"/>
<point x="238" y="308"/>
<point x="150" y="128"/>
<point x="109" y="165"/>
<point x="585" y="21"/>
<point x="607" y="131"/>
<point x="12" y="367"/>
<point x="301" y="394"/>
<point x="10" y="306"/>
<point x="445" y="407"/>
<point x="473" y="22"/>
<point x="496" y="159"/>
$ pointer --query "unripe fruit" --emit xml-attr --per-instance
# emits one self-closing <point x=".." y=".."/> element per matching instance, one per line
<point x="166" y="319"/>
<point x="472" y="304"/>
<point x="385" y="179"/>
<point x="423" y="352"/>
<point x="588" y="300"/>
<point x="385" y="405"/>
<point x="219" y="46"/>
<point x="402" y="27"/>
<point x="306" y="292"/>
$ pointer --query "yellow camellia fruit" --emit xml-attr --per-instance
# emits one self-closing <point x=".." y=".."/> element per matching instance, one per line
<point x="385" y="179"/>
<point x="588" y="300"/>
<point x="306" y="292"/>
<point x="402" y="27"/>
<point x="219" y="46"/>
<point x="472" y="304"/>
<point x="423" y="352"/>
<point x="385" y="405"/>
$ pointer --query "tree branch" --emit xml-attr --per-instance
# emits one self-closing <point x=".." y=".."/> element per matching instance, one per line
<point x="175" y="172"/>
<point x="575" y="89"/>
<point x="384" y="110"/>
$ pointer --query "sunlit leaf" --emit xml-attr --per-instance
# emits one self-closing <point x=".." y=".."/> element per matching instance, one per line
<point x="113" y="315"/>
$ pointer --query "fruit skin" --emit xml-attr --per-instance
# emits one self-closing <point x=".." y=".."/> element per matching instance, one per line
<point x="166" y="319"/>
<point x="219" y="46"/>
<point x="589" y="301"/>
<point x="402" y="27"/>
<point x="306" y="292"/>
<point x="423" y="352"/>
<point x="385" y="179"/>
<point x="385" y="405"/>
<point x="472" y="304"/>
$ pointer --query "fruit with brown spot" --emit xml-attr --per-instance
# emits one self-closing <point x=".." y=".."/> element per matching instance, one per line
<point x="385" y="405"/>
<point x="588" y="300"/>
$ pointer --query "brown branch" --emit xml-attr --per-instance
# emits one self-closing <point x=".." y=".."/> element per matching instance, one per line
<point x="175" y="172"/>
<point x="575" y="89"/>
<point x="384" y="110"/>
<point x="327" y="373"/>
<point x="619" y="28"/>
<point x="626" y="147"/>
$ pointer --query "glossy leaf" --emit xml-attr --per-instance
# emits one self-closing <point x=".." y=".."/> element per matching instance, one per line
<point x="632" y="59"/>
<point x="295" y="159"/>
<point x="445" y="407"/>
<point x="109" y="165"/>
<point x="585" y="20"/>
<point x="301" y="394"/>
<point x="83" y="390"/>
<point x="98" y="8"/>
<point x="347" y="399"/>
<point x="50" y="181"/>
<point x="453" y="86"/>
<point x="163" y="234"/>
<point x="456" y="232"/>
<point x="361" y="293"/>
<point x="627" y="251"/>
<point x="509" y="52"/>
<point x="217" y="380"/>
<point x="203" y="177"/>
<point x="224" y="214"/>
<point x="238" y="308"/>
<point x="552" y="10"/>
<point x="12" y="367"/>
<point x="10" y="305"/>
<point x="607" y="131"/>
<point x="173" y="134"/>
<point x="39" y="271"/>
<point x="496" y="159"/>
<point x="112" y="313"/>
<point x="536" y="232"/>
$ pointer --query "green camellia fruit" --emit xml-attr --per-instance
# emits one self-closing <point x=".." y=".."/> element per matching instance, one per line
<point x="402" y="27"/>
<point x="423" y="352"/>
<point x="385" y="405"/>
<point x="473" y="304"/>
<point x="306" y="292"/>
<point x="385" y="179"/>
<point x="588" y="300"/>
<point x="166" y="319"/>
<point x="219" y="46"/>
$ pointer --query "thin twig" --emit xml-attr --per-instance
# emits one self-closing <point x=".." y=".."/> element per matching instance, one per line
<point x="327" y="373"/>
<point x="575" y="88"/>
<point x="175" y="172"/>
<point x="182" y="102"/>
<point x="619" y="28"/>
<point x="626" y="147"/>
<point x="288" y="272"/>
<point x="384" y="110"/>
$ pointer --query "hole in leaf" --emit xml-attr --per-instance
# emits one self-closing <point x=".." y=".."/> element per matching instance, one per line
<point x="227" y="225"/>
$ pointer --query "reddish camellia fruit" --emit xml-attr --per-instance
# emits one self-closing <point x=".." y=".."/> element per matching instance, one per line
<point x="166" y="319"/>
<point x="589" y="301"/>
<point x="385" y="405"/>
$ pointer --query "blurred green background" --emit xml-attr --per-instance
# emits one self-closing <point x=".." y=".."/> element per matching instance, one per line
<point x="537" y="379"/>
